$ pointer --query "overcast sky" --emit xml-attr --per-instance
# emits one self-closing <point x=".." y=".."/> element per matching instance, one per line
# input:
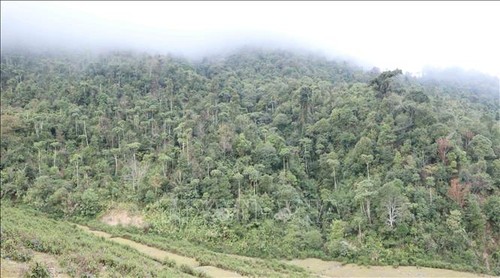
<point x="408" y="35"/>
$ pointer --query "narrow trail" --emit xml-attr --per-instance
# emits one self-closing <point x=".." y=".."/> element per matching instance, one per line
<point x="327" y="269"/>
<point x="160" y="255"/>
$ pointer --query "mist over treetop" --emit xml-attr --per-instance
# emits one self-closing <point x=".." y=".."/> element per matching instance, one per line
<point x="387" y="35"/>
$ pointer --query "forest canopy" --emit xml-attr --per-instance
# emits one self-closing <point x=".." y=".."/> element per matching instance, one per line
<point x="262" y="152"/>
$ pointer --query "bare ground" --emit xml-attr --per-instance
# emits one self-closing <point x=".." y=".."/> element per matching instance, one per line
<point x="122" y="217"/>
<point x="11" y="268"/>
<point x="336" y="269"/>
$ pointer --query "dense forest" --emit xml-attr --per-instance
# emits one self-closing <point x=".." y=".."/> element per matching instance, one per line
<point x="264" y="153"/>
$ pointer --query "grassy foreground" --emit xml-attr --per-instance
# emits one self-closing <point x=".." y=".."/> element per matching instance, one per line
<point x="27" y="236"/>
<point x="34" y="245"/>
<point x="79" y="254"/>
<point x="245" y="266"/>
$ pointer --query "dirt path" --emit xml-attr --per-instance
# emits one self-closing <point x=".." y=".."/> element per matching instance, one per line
<point x="11" y="268"/>
<point x="160" y="255"/>
<point x="335" y="269"/>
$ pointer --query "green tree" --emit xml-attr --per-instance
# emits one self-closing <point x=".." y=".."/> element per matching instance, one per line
<point x="475" y="221"/>
<point x="365" y="191"/>
<point x="382" y="82"/>
<point x="334" y="165"/>
<point x="481" y="147"/>
<point x="492" y="213"/>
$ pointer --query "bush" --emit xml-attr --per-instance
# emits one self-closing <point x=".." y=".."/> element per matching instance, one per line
<point x="89" y="205"/>
<point x="313" y="240"/>
<point x="191" y="271"/>
<point x="38" y="270"/>
<point x="169" y="263"/>
<point x="13" y="249"/>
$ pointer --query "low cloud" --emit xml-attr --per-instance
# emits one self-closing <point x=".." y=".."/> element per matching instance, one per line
<point x="388" y="35"/>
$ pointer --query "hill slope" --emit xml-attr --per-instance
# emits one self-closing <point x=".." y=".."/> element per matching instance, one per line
<point x="262" y="153"/>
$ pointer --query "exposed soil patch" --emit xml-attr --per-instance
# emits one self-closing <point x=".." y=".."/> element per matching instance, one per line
<point x="336" y="269"/>
<point x="217" y="272"/>
<point x="156" y="253"/>
<point x="115" y="217"/>
<point x="10" y="268"/>
<point x="97" y="233"/>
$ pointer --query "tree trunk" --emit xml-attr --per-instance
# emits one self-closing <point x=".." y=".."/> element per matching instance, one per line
<point x="39" y="163"/>
<point x="85" y="132"/>
<point x="239" y="200"/>
<point x="391" y="210"/>
<point x="359" y="232"/>
<point x="116" y="164"/>
<point x="334" y="180"/>
<point x="135" y="174"/>
<point x="77" y="174"/>
<point x="368" y="211"/>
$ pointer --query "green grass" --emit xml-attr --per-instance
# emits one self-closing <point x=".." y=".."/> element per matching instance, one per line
<point x="79" y="253"/>
<point x="244" y="266"/>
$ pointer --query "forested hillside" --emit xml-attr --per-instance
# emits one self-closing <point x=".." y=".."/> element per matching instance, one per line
<point x="262" y="153"/>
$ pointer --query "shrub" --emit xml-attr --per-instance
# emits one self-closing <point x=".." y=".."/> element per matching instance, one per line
<point x="38" y="270"/>
<point x="13" y="249"/>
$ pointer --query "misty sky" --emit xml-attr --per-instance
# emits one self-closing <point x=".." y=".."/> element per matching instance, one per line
<point x="408" y="35"/>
